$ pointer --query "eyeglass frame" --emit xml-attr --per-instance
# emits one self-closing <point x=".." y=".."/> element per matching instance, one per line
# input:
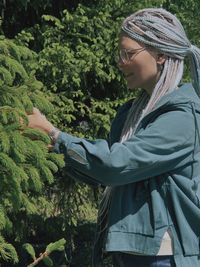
<point x="128" y="58"/>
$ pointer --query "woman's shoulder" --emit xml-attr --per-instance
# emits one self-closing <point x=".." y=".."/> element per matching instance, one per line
<point x="184" y="94"/>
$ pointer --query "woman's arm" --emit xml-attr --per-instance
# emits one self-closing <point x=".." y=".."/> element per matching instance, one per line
<point x="164" y="145"/>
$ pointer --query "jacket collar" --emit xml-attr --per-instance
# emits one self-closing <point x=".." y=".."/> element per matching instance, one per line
<point x="184" y="94"/>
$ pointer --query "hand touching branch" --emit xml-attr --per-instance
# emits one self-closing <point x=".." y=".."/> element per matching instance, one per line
<point x="39" y="121"/>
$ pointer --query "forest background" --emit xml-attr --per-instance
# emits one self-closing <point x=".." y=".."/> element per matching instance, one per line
<point x="60" y="57"/>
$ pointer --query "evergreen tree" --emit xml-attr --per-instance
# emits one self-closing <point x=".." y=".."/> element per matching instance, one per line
<point x="75" y="63"/>
<point x="26" y="166"/>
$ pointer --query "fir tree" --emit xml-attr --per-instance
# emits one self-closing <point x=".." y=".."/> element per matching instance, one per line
<point x="26" y="166"/>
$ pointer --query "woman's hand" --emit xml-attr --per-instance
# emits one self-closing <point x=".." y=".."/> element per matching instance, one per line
<point x="38" y="121"/>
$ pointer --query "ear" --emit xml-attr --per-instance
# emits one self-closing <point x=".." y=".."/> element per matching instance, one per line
<point x="160" y="59"/>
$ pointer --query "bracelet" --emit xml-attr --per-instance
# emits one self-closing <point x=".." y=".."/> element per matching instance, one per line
<point x="53" y="134"/>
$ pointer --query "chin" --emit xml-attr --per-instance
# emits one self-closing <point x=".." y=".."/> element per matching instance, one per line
<point x="131" y="86"/>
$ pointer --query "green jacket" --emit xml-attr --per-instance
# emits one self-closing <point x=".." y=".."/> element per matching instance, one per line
<point x="154" y="177"/>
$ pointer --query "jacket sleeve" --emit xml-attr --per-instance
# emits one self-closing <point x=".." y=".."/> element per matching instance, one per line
<point x="78" y="176"/>
<point x="165" y="144"/>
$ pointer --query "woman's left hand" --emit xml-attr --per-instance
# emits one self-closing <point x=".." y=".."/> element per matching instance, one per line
<point x="38" y="121"/>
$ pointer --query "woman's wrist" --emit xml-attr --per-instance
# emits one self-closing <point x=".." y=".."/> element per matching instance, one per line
<point x="53" y="134"/>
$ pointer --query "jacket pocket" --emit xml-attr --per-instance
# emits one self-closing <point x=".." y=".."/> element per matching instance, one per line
<point x="131" y="210"/>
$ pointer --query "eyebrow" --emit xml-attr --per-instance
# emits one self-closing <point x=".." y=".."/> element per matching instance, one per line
<point x="129" y="49"/>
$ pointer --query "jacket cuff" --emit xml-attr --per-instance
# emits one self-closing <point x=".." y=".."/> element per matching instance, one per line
<point x="63" y="139"/>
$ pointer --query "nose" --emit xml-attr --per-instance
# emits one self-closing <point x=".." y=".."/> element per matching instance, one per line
<point x="120" y="63"/>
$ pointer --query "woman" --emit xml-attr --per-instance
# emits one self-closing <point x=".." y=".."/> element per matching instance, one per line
<point x="150" y="211"/>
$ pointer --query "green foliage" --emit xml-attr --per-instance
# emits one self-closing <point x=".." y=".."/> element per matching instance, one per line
<point x="25" y="164"/>
<point x="48" y="261"/>
<point x="75" y="55"/>
<point x="73" y="78"/>
<point x="56" y="246"/>
<point x="7" y="251"/>
<point x="30" y="250"/>
<point x="16" y="14"/>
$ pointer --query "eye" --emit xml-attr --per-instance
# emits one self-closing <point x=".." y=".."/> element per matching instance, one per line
<point x="130" y="54"/>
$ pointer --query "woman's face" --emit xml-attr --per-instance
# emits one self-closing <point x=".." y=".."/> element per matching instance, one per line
<point x="142" y="69"/>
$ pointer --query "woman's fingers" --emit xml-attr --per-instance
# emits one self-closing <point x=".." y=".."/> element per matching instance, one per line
<point x="36" y="111"/>
<point x="39" y="121"/>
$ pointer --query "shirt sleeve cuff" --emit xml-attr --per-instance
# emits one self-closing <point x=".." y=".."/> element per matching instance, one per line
<point x="63" y="139"/>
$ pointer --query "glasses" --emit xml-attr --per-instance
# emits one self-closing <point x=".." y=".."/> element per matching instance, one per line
<point x="126" y="55"/>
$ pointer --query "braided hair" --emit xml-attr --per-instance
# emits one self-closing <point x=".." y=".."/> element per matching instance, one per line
<point x="158" y="29"/>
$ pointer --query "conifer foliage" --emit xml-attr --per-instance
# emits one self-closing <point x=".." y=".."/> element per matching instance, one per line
<point x="25" y="163"/>
<point x="74" y="62"/>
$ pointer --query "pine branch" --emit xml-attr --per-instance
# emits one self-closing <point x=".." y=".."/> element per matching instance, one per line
<point x="58" y="245"/>
<point x="40" y="258"/>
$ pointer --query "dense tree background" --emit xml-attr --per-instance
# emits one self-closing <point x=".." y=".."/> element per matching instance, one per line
<point x="60" y="57"/>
